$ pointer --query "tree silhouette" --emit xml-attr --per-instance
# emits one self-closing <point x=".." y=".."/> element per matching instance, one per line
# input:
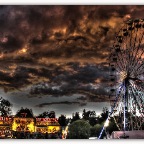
<point x="90" y="116"/>
<point x="87" y="114"/>
<point x="75" y="117"/>
<point x="27" y="113"/>
<point x="62" y="120"/>
<point x="5" y="107"/>
<point x="104" y="115"/>
<point x="47" y="114"/>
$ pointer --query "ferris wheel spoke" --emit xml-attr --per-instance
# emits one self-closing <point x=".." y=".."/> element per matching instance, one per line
<point x="133" y="119"/>
<point x="140" y="74"/>
<point x="140" y="92"/>
<point x="118" y="98"/>
<point x="133" y="38"/>
<point x="120" y="53"/>
<point x="134" y="59"/>
<point x="140" y="69"/>
<point x="115" y="61"/>
<point x="138" y="89"/>
<point x="137" y="100"/>
<point x="120" y="61"/>
<point x="137" y="47"/>
<point x="138" y="65"/>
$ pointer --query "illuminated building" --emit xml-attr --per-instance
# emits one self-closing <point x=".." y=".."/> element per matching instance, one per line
<point x="5" y="125"/>
<point x="49" y="125"/>
<point x="24" y="121"/>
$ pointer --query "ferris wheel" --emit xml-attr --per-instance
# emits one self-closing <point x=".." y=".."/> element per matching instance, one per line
<point x="127" y="76"/>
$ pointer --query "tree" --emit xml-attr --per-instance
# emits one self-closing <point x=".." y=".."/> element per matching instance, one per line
<point x="105" y="113"/>
<point x="95" y="130"/>
<point x="47" y="114"/>
<point x="5" y="107"/>
<point x="79" y="129"/>
<point x="85" y="114"/>
<point x="112" y="126"/>
<point x="90" y="116"/>
<point x="25" y="113"/>
<point x="92" y="121"/>
<point x="103" y="116"/>
<point x="62" y="120"/>
<point x="75" y="117"/>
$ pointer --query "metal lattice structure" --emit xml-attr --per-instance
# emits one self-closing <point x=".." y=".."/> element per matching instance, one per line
<point x="127" y="76"/>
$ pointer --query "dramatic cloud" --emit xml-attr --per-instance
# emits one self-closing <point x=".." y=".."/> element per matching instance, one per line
<point x="56" y="103"/>
<point x="59" y="50"/>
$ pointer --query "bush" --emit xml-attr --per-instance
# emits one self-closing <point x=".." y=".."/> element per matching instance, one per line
<point x="95" y="130"/>
<point x="79" y="129"/>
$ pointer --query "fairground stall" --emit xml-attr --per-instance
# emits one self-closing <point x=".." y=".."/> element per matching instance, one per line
<point x="5" y="126"/>
<point x="24" y="121"/>
<point x="49" y="125"/>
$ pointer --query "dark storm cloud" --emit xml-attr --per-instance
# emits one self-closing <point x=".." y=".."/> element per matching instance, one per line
<point x="48" y="44"/>
<point x="75" y="79"/>
<point x="57" y="103"/>
<point x="12" y="44"/>
<point x="59" y="52"/>
<point x="61" y="31"/>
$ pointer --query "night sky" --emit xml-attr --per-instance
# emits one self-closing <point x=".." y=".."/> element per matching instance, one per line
<point x="56" y="57"/>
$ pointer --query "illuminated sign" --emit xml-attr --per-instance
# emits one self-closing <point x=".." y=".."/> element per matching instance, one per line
<point x="6" y="120"/>
<point x="53" y="129"/>
<point x="42" y="129"/>
<point x="47" y="121"/>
